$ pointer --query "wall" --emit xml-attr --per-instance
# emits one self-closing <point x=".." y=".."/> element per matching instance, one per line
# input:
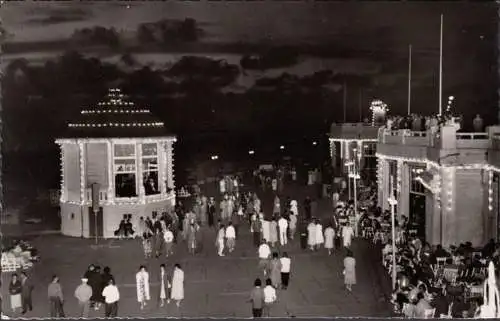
<point x="71" y="225"/>
<point x="97" y="164"/>
<point x="72" y="172"/>
<point x="468" y="223"/>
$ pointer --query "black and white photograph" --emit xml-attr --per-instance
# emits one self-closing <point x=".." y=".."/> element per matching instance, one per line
<point x="250" y="159"/>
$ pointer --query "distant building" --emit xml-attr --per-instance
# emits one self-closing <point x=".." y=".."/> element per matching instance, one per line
<point x="129" y="155"/>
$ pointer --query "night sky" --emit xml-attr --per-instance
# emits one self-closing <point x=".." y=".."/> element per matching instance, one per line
<point x="377" y="32"/>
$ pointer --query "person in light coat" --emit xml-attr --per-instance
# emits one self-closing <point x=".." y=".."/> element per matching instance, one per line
<point x="311" y="235"/>
<point x="274" y="184"/>
<point x="219" y="243"/>
<point x="165" y="286"/>
<point x="283" y="228"/>
<point x="266" y="230"/>
<point x="230" y="237"/>
<point x="142" y="285"/>
<point x="276" y="206"/>
<point x="177" y="293"/>
<point x="349" y="270"/>
<point x="329" y="239"/>
<point x="294" y="207"/>
<point x="320" y="239"/>
<point x="347" y="233"/>
<point x="273" y="232"/>
<point x="222" y="186"/>
<point x="292" y="226"/>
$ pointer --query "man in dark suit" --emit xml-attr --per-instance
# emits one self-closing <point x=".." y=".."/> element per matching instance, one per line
<point x="26" y="290"/>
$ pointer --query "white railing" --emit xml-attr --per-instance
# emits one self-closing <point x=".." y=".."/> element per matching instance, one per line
<point x="472" y="136"/>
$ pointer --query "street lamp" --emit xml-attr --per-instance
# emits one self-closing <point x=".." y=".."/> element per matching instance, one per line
<point x="251" y="152"/>
<point x="393" y="202"/>
<point x="315" y="143"/>
<point x="282" y="147"/>
<point x="214" y="157"/>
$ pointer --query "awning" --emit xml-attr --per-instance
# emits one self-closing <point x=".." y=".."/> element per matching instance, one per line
<point x="425" y="178"/>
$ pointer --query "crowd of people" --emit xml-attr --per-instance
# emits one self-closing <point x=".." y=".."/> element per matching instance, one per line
<point x="415" y="122"/>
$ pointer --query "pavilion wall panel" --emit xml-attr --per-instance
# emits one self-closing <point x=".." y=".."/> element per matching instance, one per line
<point x="469" y="223"/>
<point x="97" y="164"/>
<point x="72" y="172"/>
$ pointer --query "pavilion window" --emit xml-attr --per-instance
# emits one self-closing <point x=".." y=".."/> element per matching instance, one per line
<point x="150" y="169"/>
<point x="416" y="187"/>
<point x="125" y="166"/>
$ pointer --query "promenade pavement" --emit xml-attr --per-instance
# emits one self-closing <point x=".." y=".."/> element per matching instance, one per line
<point x="214" y="286"/>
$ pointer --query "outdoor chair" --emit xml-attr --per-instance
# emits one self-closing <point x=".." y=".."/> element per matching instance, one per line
<point x="429" y="313"/>
<point x="450" y="274"/>
<point x="441" y="261"/>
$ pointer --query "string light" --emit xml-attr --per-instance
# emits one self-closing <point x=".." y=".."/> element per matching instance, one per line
<point x="115" y="111"/>
<point x="81" y="151"/>
<point x="164" y="160"/>
<point x="399" y="172"/>
<point x="378" y="108"/>
<point x="80" y="125"/>
<point x="63" y="172"/>
<point x="142" y="140"/>
<point x="111" y="181"/>
<point x="490" y="191"/>
<point x="450" y="177"/>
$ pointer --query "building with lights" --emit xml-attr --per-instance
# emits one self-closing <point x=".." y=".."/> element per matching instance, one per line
<point x="445" y="182"/>
<point x="116" y="160"/>
<point x="346" y="138"/>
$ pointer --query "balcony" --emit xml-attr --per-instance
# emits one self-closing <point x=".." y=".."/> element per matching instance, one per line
<point x="467" y="147"/>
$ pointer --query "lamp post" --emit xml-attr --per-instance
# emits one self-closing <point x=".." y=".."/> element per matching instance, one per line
<point x="393" y="202"/>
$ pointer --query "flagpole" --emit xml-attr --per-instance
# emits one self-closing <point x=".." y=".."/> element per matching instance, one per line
<point x="345" y="101"/>
<point x="409" y="81"/>
<point x="441" y="67"/>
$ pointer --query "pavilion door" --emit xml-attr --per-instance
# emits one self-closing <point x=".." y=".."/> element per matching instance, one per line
<point x="95" y="225"/>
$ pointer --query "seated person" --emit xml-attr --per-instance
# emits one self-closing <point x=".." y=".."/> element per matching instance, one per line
<point x="440" y="252"/>
<point x="121" y="229"/>
<point x="459" y="307"/>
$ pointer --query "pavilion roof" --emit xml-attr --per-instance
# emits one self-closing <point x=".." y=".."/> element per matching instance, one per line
<point x="115" y="117"/>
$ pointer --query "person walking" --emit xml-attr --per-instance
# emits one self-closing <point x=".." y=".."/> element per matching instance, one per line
<point x="147" y="246"/>
<point x="211" y="212"/>
<point x="292" y="225"/>
<point x="230" y="237"/>
<point x="219" y="242"/>
<point x="256" y="229"/>
<point x="270" y="297"/>
<point x="320" y="239"/>
<point x="177" y="285"/>
<point x="15" y="289"/>
<point x="347" y="234"/>
<point x="329" y="239"/>
<point x="311" y="235"/>
<point x="83" y="293"/>
<point x="286" y="264"/>
<point x="26" y="291"/>
<point x="264" y="253"/>
<point x="349" y="270"/>
<point x="56" y="299"/>
<point x="142" y="286"/>
<point x="165" y="286"/>
<point x="111" y="297"/>
<point x="283" y="228"/>
<point x="275" y="270"/>
<point x="273" y="232"/>
<point x="168" y="237"/>
<point x="257" y="299"/>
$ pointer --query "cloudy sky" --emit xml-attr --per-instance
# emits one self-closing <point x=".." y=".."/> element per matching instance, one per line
<point x="469" y="30"/>
<point x="284" y="21"/>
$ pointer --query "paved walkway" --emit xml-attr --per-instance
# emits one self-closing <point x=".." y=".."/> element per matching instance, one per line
<point x="214" y="287"/>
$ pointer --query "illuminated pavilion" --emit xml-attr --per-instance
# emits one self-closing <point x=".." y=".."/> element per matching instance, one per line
<point x="127" y="155"/>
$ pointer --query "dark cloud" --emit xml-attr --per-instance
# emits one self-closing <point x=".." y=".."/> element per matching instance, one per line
<point x="53" y="16"/>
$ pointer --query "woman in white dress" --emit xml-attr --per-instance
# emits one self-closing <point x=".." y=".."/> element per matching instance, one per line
<point x="219" y="242"/>
<point x="273" y="233"/>
<point x="349" y="270"/>
<point x="164" y="286"/>
<point x="320" y="239"/>
<point x="311" y="235"/>
<point x="177" y="285"/>
<point x="266" y="230"/>
<point x="329" y="239"/>
<point x="142" y="285"/>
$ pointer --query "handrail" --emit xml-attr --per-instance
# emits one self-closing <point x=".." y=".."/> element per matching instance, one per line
<point x="472" y="136"/>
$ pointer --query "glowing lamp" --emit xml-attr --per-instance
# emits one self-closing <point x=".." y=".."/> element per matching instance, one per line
<point x="214" y="157"/>
<point x="282" y="147"/>
<point x="251" y="152"/>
